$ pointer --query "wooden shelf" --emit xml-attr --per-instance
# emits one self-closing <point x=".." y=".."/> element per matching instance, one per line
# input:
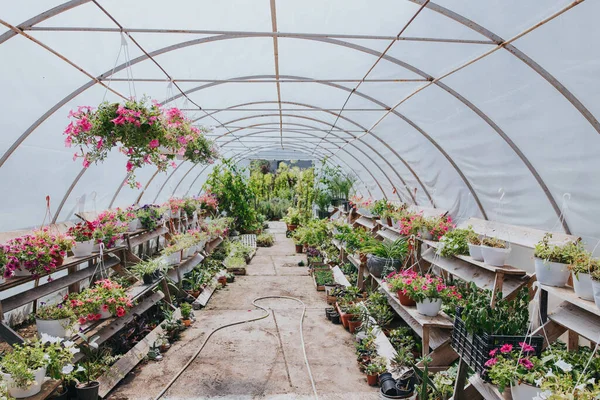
<point x="68" y="262"/>
<point x="145" y="237"/>
<point x="337" y="244"/>
<point x="468" y="272"/>
<point x="388" y="234"/>
<point x="366" y="222"/>
<point x="208" y="291"/>
<point x="213" y="244"/>
<point x="28" y="296"/>
<point x="177" y="273"/>
<point x="353" y="260"/>
<point x="577" y="320"/>
<point x="339" y="277"/>
<point x="506" y="269"/>
<point x="567" y="294"/>
<point x="439" y="321"/>
<point x="487" y="390"/>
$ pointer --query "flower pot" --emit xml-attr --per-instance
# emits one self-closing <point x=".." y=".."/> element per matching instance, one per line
<point x="404" y="299"/>
<point x="20" y="272"/>
<point x="372" y="380"/>
<point x="329" y="288"/>
<point x="494" y="256"/>
<point x="187" y="322"/>
<point x="61" y="395"/>
<point x="96" y="248"/>
<point x="425" y="234"/>
<point x="104" y="314"/>
<point x="344" y="317"/>
<point x="53" y="327"/>
<point x="596" y="287"/>
<point x="475" y="252"/>
<point x="353" y="325"/>
<point x="58" y="261"/>
<point x="524" y="391"/>
<point x="88" y="392"/>
<point x="328" y="312"/>
<point x="299" y="248"/>
<point x="174" y="258"/>
<point x="389" y="396"/>
<point x="133" y="225"/>
<point x="429" y="307"/>
<point x="551" y="273"/>
<point x="222" y="280"/>
<point x="406" y="386"/>
<point x="387" y="383"/>
<point x="582" y="284"/>
<point x="83" y="249"/>
<point x="376" y="265"/>
<point x="31" y="390"/>
<point x="148" y="279"/>
<point x="335" y="318"/>
<point x="291" y="227"/>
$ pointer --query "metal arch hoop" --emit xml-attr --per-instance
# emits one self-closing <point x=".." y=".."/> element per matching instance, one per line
<point x="356" y="159"/>
<point x="341" y="148"/>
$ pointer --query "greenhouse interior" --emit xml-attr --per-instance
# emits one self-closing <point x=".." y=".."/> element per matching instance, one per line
<point x="284" y="199"/>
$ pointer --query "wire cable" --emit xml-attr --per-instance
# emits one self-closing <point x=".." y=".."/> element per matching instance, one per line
<point x="267" y="314"/>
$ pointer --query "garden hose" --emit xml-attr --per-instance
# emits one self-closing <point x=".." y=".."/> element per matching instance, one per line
<point x="267" y="313"/>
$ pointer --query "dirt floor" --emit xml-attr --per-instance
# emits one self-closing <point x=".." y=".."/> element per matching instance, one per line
<point x="263" y="359"/>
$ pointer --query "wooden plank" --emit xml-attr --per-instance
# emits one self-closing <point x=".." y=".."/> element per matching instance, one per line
<point x="487" y="390"/>
<point x="567" y="294"/>
<point x="366" y="222"/>
<point x="145" y="237"/>
<point x="468" y="272"/>
<point x="207" y="293"/>
<point x="551" y="331"/>
<point x="210" y="246"/>
<point x="48" y="387"/>
<point x="439" y="321"/>
<point x="506" y="269"/>
<point x="388" y="234"/>
<point x="337" y="244"/>
<point x="339" y="277"/>
<point x="577" y="320"/>
<point x="28" y="296"/>
<point x="353" y="260"/>
<point x="177" y="273"/>
<point x="427" y="211"/>
<point x="9" y="335"/>
<point x="461" y="378"/>
<point x="521" y="235"/>
<point x="128" y="361"/>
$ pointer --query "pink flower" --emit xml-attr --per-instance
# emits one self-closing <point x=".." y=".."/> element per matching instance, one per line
<point x="86" y="163"/>
<point x="507" y="348"/>
<point x="173" y="164"/>
<point x="526" y="363"/>
<point x="491" y="362"/>
<point x="104" y="307"/>
<point x="493" y="352"/>
<point x="120" y="311"/>
<point x="138" y="185"/>
<point x="527" y="348"/>
<point x="81" y="320"/>
<point x="129" y="166"/>
<point x="153" y="144"/>
<point x="100" y="143"/>
<point x="68" y="141"/>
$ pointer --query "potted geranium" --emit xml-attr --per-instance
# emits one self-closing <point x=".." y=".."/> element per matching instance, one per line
<point x="582" y="267"/>
<point x="494" y="251"/>
<point x="439" y="226"/>
<point x="516" y="367"/>
<point x="208" y="203"/>
<point x="397" y="282"/>
<point x="105" y="299"/>
<point x="429" y="292"/>
<point x="552" y="260"/>
<point x="37" y="254"/>
<point x="54" y="320"/>
<point x="174" y="207"/>
<point x="83" y="234"/>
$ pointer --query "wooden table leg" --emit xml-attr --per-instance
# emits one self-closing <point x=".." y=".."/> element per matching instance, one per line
<point x="573" y="341"/>
<point x="425" y="340"/>
<point x="461" y="377"/>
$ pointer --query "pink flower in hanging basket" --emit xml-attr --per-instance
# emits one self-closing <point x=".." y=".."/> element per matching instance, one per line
<point x="153" y="144"/>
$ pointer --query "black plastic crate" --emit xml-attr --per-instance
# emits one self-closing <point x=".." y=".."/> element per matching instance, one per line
<point x="475" y="349"/>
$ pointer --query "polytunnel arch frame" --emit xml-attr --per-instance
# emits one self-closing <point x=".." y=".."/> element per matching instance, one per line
<point x="29" y="24"/>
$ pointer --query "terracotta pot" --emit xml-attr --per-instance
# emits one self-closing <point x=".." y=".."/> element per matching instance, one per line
<point x="344" y="317"/>
<point x="352" y="325"/>
<point x="223" y="281"/>
<point x="405" y="300"/>
<point x="187" y="322"/>
<point x="372" y="380"/>
<point x="292" y="228"/>
<point x="298" y="248"/>
<point x="58" y="261"/>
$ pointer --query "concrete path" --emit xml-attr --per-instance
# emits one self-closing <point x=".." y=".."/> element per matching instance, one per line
<point x="263" y="359"/>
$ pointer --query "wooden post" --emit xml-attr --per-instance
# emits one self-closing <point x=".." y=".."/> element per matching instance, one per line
<point x="543" y="305"/>
<point x="497" y="287"/>
<point x="573" y="341"/>
<point x="165" y="288"/>
<point x="425" y="346"/>
<point x="461" y="377"/>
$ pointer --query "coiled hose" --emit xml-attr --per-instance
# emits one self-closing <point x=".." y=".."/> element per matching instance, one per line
<point x="267" y="313"/>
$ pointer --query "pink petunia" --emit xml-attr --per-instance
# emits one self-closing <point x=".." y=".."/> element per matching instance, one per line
<point x="507" y="348"/>
<point x="491" y="362"/>
<point x="86" y="163"/>
<point x="153" y="144"/>
<point x="527" y="348"/>
<point x="526" y="363"/>
<point x="493" y="352"/>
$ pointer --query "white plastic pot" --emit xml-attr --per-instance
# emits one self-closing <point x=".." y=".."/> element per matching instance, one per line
<point x="21" y="272"/>
<point x="177" y="214"/>
<point x="596" y="287"/>
<point x="104" y="314"/>
<point x="32" y="390"/>
<point x="201" y="245"/>
<point x="551" y="273"/>
<point x="188" y="252"/>
<point x="429" y="307"/>
<point x="475" y="252"/>
<point x="523" y="391"/>
<point x="329" y="289"/>
<point x="83" y="249"/>
<point x="96" y="248"/>
<point x="174" y="258"/>
<point x="494" y="256"/>
<point x="53" y="327"/>
<point x="425" y="234"/>
<point x="582" y="284"/>
<point x="134" y="225"/>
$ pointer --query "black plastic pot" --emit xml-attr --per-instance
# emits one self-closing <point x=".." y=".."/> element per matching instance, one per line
<point x="88" y="392"/>
<point x="346" y="205"/>
<point x="148" y="279"/>
<point x="406" y="387"/>
<point x="377" y="265"/>
<point x="335" y="318"/>
<point x="388" y="396"/>
<point x="388" y="384"/>
<point x="328" y="312"/>
<point x="323" y="214"/>
<point x="61" y="396"/>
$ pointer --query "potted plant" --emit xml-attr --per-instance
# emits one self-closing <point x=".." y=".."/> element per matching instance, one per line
<point x="105" y="299"/>
<point x="474" y="243"/>
<point x="355" y="313"/>
<point x="24" y="368"/>
<point x="222" y="280"/>
<point x="7" y="263"/>
<point x="292" y="219"/>
<point x="150" y="216"/>
<point x="403" y="363"/>
<point x="552" y="260"/>
<point x="186" y="312"/>
<point x="428" y="292"/>
<point x="377" y="366"/>
<point x="494" y="251"/>
<point x="397" y="281"/>
<point x="582" y="267"/>
<point x="517" y="368"/>
<point x="596" y="286"/>
<point x="265" y="240"/>
<point x="54" y="320"/>
<point x="385" y="256"/>
<point x="322" y="201"/>
<point x="88" y="390"/>
<point x="149" y="270"/>
<point x="82" y="233"/>
<point x="194" y="282"/>
<point x="455" y="243"/>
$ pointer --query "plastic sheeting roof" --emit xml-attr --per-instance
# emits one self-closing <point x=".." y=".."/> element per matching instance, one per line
<point x="487" y="108"/>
